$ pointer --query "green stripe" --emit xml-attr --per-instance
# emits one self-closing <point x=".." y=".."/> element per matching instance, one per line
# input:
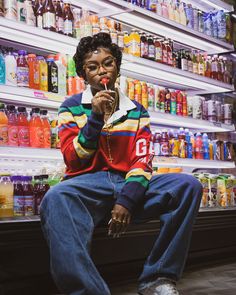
<point x="85" y="143"/>
<point x="145" y="114"/>
<point x="141" y="179"/>
<point x="134" y="114"/>
<point x="62" y="110"/>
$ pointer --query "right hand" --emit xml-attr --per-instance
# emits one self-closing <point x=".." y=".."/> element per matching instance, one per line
<point x="102" y="102"/>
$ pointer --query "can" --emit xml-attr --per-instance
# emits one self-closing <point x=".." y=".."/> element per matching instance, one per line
<point x="218" y="111"/>
<point x="179" y="104"/>
<point x="151" y="97"/>
<point x="162" y="100"/>
<point x="173" y="108"/>
<point x="211" y="111"/>
<point x="144" y="94"/>
<point x="70" y="86"/>
<point x="185" y="105"/>
<point x="157" y="98"/>
<point x="228" y="113"/>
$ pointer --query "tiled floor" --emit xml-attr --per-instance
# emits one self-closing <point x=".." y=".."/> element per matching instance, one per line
<point x="214" y="280"/>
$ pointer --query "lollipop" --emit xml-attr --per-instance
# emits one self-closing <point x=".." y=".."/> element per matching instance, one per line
<point x="105" y="82"/>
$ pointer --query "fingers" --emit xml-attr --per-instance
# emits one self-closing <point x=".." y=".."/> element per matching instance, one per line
<point x="118" y="224"/>
<point x="102" y="102"/>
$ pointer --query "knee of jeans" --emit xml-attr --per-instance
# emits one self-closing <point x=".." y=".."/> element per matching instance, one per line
<point x="51" y="196"/>
<point x="192" y="183"/>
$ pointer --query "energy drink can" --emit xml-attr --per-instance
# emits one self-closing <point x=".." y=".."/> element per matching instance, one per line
<point x="144" y="94"/>
<point x="138" y="91"/>
<point x="173" y="107"/>
<point x="131" y="89"/>
<point x="157" y="98"/>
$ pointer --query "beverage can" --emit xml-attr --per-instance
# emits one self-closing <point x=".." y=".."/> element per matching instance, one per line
<point x="144" y="94"/>
<point x="197" y="107"/>
<point x="218" y="106"/>
<point x="157" y="98"/>
<point x="211" y="111"/>
<point x="131" y="89"/>
<point x="228" y="113"/>
<point x="138" y="91"/>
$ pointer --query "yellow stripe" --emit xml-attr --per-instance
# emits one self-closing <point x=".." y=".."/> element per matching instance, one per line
<point x="65" y="118"/>
<point x="82" y="152"/>
<point x="129" y="125"/>
<point x="81" y="120"/>
<point x="138" y="172"/>
<point x="144" y="122"/>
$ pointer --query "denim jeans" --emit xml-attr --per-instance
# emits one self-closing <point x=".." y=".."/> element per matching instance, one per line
<point x="72" y="209"/>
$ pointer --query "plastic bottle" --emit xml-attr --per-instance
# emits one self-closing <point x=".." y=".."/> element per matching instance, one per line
<point x="189" y="145"/>
<point x="214" y="67"/>
<point x="143" y="46"/>
<point x="85" y="24"/>
<point x="61" y="75"/>
<point x="164" y="144"/>
<point x="31" y="63"/>
<point x="39" y="14"/>
<point x="182" y="148"/>
<point x="126" y="42"/>
<point x="10" y="7"/>
<point x="21" y="13"/>
<point x="11" y="68"/>
<point x="198" y="146"/>
<point x="192" y="140"/>
<point x="29" y="13"/>
<point x="6" y="196"/>
<point x="52" y="76"/>
<point x="22" y="69"/>
<point x="46" y="129"/>
<point x="169" y="48"/>
<point x="208" y="67"/>
<point x="151" y="47"/>
<point x="49" y="17"/>
<point x="220" y="67"/>
<point x="23" y="127"/>
<point x="201" y="65"/>
<point x="68" y="19"/>
<point x="158" y="50"/>
<point x="205" y="146"/>
<point x="43" y="73"/>
<point x="18" y="196"/>
<point x="2" y="68"/>
<point x="3" y="126"/>
<point x="37" y="193"/>
<point x="190" y="62"/>
<point x="59" y="18"/>
<point x="157" y="143"/>
<point x="12" y="126"/>
<point x="36" y="129"/>
<point x="164" y="52"/>
<point x="28" y="195"/>
<point x="134" y="39"/>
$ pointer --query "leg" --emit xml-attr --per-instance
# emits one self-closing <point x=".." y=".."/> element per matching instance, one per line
<point x="176" y="199"/>
<point x="69" y="213"/>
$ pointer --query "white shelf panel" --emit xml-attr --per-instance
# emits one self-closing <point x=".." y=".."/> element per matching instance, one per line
<point x="195" y="163"/>
<point x="154" y="72"/>
<point x="168" y="120"/>
<point x="30" y="97"/>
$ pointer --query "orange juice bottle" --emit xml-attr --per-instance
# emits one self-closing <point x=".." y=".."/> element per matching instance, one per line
<point x="36" y="129"/>
<point x="31" y="62"/>
<point x="3" y="126"/>
<point x="46" y="129"/>
<point x="134" y="48"/>
<point x="43" y="73"/>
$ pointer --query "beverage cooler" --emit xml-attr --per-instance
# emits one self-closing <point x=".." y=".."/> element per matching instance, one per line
<point x="179" y="61"/>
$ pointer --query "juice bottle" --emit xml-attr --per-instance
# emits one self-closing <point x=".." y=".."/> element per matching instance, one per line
<point x="198" y="146"/>
<point x="49" y="17"/>
<point x="68" y="19"/>
<point x="85" y="24"/>
<point x="126" y="42"/>
<point x="134" y="43"/>
<point x="43" y="73"/>
<point x="46" y="129"/>
<point x="157" y="143"/>
<point x="179" y="104"/>
<point x="201" y="65"/>
<point x="39" y="14"/>
<point x="205" y="147"/>
<point x="18" y="196"/>
<point x="61" y="75"/>
<point x="182" y="148"/>
<point x="195" y="62"/>
<point x="23" y="127"/>
<point x="29" y="13"/>
<point x="37" y="193"/>
<point x="52" y="76"/>
<point x="164" y="143"/>
<point x="59" y="18"/>
<point x="167" y="101"/>
<point x="143" y="46"/>
<point x="31" y="62"/>
<point x="36" y="129"/>
<point x="11" y="68"/>
<point x="151" y="48"/>
<point x="214" y="67"/>
<point x="6" y="196"/>
<point x="184" y="104"/>
<point x="12" y="126"/>
<point x="158" y="50"/>
<point x="22" y="69"/>
<point x="2" y="68"/>
<point x="208" y="67"/>
<point x="220" y="67"/>
<point x="28" y="195"/>
<point x="3" y="126"/>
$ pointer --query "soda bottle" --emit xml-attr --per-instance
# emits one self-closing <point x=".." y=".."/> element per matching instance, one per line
<point x="134" y="43"/>
<point x="43" y="73"/>
<point x="205" y="147"/>
<point x="164" y="143"/>
<point x="28" y="195"/>
<point x="52" y="75"/>
<point x="189" y="145"/>
<point x="23" y="127"/>
<point x="39" y="14"/>
<point x="22" y="69"/>
<point x="12" y="126"/>
<point x="68" y="19"/>
<point x="6" y="196"/>
<point x="61" y="75"/>
<point x="31" y="62"/>
<point x="49" y="17"/>
<point x="59" y="18"/>
<point x="11" y="68"/>
<point x="18" y="196"/>
<point x="3" y="126"/>
<point x="198" y="146"/>
<point x="151" y="47"/>
<point x="46" y="129"/>
<point x="36" y="129"/>
<point x="143" y="46"/>
<point x="158" y="50"/>
<point x="157" y="143"/>
<point x="182" y="147"/>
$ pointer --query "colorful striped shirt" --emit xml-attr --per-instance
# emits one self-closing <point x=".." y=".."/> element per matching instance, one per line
<point x="84" y="143"/>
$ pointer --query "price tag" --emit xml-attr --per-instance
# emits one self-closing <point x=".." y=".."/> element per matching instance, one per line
<point x="165" y="160"/>
<point x="39" y="94"/>
<point x="55" y="97"/>
<point x="218" y="124"/>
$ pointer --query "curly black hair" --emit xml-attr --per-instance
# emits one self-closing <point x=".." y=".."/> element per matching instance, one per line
<point x="89" y="44"/>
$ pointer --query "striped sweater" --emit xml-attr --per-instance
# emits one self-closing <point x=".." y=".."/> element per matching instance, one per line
<point x="84" y="145"/>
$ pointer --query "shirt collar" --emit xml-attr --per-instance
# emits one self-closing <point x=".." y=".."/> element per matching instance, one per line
<point x="125" y="104"/>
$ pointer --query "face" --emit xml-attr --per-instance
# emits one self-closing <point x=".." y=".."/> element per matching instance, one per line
<point x="100" y="64"/>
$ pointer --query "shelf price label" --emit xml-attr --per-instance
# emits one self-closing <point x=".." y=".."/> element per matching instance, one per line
<point x="164" y="160"/>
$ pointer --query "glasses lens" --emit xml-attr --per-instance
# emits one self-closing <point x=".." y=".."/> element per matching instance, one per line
<point x="107" y="64"/>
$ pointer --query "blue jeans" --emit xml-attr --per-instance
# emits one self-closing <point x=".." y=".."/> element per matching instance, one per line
<point x="72" y="209"/>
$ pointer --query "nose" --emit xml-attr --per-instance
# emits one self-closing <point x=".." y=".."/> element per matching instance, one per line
<point x="101" y="72"/>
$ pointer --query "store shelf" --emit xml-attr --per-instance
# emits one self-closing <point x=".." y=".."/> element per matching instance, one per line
<point x="143" y="19"/>
<point x="195" y="163"/>
<point x="166" y="120"/>
<point x="30" y="97"/>
<point x="157" y="73"/>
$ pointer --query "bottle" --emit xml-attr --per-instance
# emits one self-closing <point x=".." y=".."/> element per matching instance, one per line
<point x="220" y="67"/>
<point x="134" y="43"/>
<point x="18" y="196"/>
<point x="143" y="46"/>
<point x="214" y="67"/>
<point x="52" y="76"/>
<point x="198" y="146"/>
<point x="184" y="61"/>
<point x="195" y="62"/>
<point x="3" y="126"/>
<point x="43" y="73"/>
<point x="190" y="62"/>
<point x="151" y="47"/>
<point x="49" y="17"/>
<point x="39" y="14"/>
<point x="11" y="69"/>
<point x="2" y="68"/>
<point x="164" y="52"/>
<point x="182" y="148"/>
<point x="173" y="102"/>
<point x="85" y="24"/>
<point x="36" y="129"/>
<point x="68" y="19"/>
<point x="205" y="147"/>
<point x="169" y="48"/>
<point x="201" y="65"/>
<point x="10" y="9"/>
<point x="23" y="127"/>
<point x="208" y="67"/>
<point x="158" y="50"/>
<point x="120" y="40"/>
<point x="12" y="126"/>
<point x="22" y="69"/>
<point x="126" y="42"/>
<point x="189" y="146"/>
<point x="61" y="75"/>
<point x="184" y="104"/>
<point x="59" y="17"/>
<point x="76" y="29"/>
<point x="46" y="129"/>
<point x="167" y="101"/>
<point x="37" y="193"/>
<point x="227" y="74"/>
<point x="179" y="103"/>
<point x="21" y="13"/>
<point x="6" y="196"/>
<point x="28" y="195"/>
<point x="29" y="13"/>
<point x="157" y="143"/>
<point x="164" y="143"/>
<point x="31" y="63"/>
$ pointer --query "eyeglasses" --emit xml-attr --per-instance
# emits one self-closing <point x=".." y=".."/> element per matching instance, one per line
<point x="93" y="68"/>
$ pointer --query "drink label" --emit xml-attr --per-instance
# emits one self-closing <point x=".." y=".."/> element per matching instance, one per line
<point x="13" y="135"/>
<point x="49" y="20"/>
<point x="23" y="76"/>
<point x="39" y="21"/>
<point x="164" y="149"/>
<point x="19" y="203"/>
<point x="151" y="51"/>
<point x="29" y="205"/>
<point x="158" y="54"/>
<point x="47" y="138"/>
<point x="36" y="137"/>
<point x="164" y="56"/>
<point x="144" y="49"/>
<point x="59" y="24"/>
<point x="184" y="64"/>
<point x="23" y="136"/>
<point x="68" y="27"/>
<point x="157" y="148"/>
<point x="3" y="134"/>
<point x="201" y="69"/>
<point x="169" y="58"/>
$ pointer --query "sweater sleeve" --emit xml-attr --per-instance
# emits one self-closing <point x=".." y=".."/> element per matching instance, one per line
<point x="79" y="136"/>
<point x="137" y="179"/>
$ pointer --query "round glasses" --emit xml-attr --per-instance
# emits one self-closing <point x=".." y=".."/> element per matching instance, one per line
<point x="108" y="64"/>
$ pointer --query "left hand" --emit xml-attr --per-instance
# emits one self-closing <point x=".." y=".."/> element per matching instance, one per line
<point x="120" y="219"/>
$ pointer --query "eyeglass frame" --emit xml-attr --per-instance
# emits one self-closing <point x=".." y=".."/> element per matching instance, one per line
<point x="100" y="64"/>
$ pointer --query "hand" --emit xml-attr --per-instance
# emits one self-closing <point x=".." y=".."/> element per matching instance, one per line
<point x="120" y="219"/>
<point x="102" y="102"/>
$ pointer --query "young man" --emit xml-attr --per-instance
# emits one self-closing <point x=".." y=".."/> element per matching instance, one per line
<point x="105" y="141"/>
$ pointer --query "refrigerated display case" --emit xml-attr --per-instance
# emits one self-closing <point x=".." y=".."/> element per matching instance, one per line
<point x="24" y="255"/>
